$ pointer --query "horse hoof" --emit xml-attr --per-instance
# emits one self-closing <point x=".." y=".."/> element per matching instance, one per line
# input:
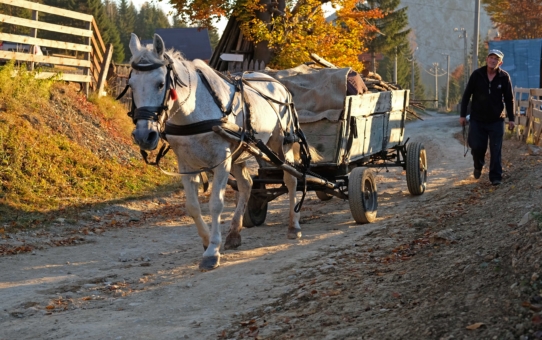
<point x="294" y="234"/>
<point x="205" y="248"/>
<point x="209" y="263"/>
<point x="232" y="242"/>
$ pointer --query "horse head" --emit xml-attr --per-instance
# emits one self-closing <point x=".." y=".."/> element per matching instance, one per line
<point x="152" y="80"/>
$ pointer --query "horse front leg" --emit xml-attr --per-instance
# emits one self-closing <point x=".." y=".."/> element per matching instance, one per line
<point x="191" y="185"/>
<point x="211" y="256"/>
<point x="294" y="230"/>
<point x="244" y="186"/>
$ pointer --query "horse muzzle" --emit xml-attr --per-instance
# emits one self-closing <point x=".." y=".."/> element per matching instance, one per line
<point x="146" y="135"/>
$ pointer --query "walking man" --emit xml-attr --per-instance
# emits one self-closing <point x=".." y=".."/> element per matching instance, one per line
<point x="491" y="91"/>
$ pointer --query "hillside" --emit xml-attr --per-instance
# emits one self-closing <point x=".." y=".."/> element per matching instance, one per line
<point x="62" y="152"/>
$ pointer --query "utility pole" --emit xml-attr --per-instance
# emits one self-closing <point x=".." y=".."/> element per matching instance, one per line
<point x="466" y="67"/>
<point x="476" y="33"/>
<point x="434" y="71"/>
<point x="395" y="67"/>
<point x="435" y="68"/>
<point x="447" y="80"/>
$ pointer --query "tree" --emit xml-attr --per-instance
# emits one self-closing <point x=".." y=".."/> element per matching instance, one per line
<point x="149" y="19"/>
<point x="125" y="22"/>
<point x="285" y="33"/>
<point x="390" y="36"/>
<point x="516" y="19"/>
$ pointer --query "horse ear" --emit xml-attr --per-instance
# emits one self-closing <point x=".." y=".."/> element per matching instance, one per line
<point x="159" y="46"/>
<point x="135" y="45"/>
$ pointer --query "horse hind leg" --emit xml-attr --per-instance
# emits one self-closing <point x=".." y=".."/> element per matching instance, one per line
<point x="294" y="230"/>
<point x="244" y="185"/>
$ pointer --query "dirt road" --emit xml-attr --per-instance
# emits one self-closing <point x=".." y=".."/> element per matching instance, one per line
<point x="130" y="270"/>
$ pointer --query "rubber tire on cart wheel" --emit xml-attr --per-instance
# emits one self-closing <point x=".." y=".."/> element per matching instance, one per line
<point x="362" y="195"/>
<point x="323" y="196"/>
<point x="416" y="168"/>
<point x="256" y="210"/>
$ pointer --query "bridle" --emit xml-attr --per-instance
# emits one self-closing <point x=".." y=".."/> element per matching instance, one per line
<point x="157" y="113"/>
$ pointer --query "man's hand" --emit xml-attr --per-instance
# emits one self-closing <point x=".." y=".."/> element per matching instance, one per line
<point x="462" y="121"/>
<point x="511" y="126"/>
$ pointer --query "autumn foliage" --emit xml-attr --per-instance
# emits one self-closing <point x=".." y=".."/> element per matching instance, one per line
<point x="301" y="29"/>
<point x="516" y="19"/>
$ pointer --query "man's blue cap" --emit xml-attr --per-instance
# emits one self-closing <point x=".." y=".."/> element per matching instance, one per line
<point x="497" y="53"/>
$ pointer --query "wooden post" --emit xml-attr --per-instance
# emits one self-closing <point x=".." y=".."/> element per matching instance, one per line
<point x="86" y="72"/>
<point x="33" y="34"/>
<point x="104" y="69"/>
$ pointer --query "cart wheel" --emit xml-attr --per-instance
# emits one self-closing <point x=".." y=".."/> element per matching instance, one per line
<point x="362" y="195"/>
<point x="416" y="168"/>
<point x="255" y="213"/>
<point x="323" y="196"/>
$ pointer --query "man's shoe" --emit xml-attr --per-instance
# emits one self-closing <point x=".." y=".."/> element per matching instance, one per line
<point x="477" y="173"/>
<point x="496" y="182"/>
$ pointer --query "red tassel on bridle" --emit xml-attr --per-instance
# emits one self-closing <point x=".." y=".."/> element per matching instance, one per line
<point x="173" y="94"/>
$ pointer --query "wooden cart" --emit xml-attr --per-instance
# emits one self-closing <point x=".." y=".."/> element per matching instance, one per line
<point x="369" y="133"/>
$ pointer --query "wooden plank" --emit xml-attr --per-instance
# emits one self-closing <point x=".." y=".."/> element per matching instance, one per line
<point x="371" y="103"/>
<point x="95" y="50"/>
<point x="86" y="72"/>
<point x="24" y="39"/>
<point x="536" y="92"/>
<point x="103" y="69"/>
<point x="100" y="43"/>
<point x="44" y="26"/>
<point x="78" y="78"/>
<point x="34" y="33"/>
<point x="43" y="59"/>
<point x="48" y="9"/>
<point x="537" y="119"/>
<point x="324" y="137"/>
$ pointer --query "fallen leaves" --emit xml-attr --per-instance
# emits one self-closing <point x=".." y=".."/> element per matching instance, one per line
<point x="475" y="325"/>
<point x="6" y="249"/>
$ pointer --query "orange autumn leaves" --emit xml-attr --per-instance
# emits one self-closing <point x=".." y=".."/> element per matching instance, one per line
<point x="516" y="19"/>
<point x="300" y="31"/>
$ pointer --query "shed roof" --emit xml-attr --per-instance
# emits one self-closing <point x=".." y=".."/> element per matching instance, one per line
<point x="192" y="42"/>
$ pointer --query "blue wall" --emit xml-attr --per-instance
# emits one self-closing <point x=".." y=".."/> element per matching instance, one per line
<point x="522" y="60"/>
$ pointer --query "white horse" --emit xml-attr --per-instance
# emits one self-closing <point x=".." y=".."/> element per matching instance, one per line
<point x="186" y="98"/>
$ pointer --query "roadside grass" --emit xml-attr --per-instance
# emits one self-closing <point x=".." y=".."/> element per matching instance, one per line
<point x="43" y="172"/>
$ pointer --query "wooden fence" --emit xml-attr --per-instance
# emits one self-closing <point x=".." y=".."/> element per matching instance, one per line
<point x="86" y="63"/>
<point x="528" y="109"/>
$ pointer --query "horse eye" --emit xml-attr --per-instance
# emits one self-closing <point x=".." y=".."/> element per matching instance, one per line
<point x="161" y="86"/>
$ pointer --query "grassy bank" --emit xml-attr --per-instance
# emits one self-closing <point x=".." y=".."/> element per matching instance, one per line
<point x="60" y="152"/>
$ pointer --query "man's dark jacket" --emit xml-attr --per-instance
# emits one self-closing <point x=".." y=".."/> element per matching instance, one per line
<point x="488" y="97"/>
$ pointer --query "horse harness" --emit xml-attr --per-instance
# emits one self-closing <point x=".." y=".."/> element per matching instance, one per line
<point x="161" y="114"/>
